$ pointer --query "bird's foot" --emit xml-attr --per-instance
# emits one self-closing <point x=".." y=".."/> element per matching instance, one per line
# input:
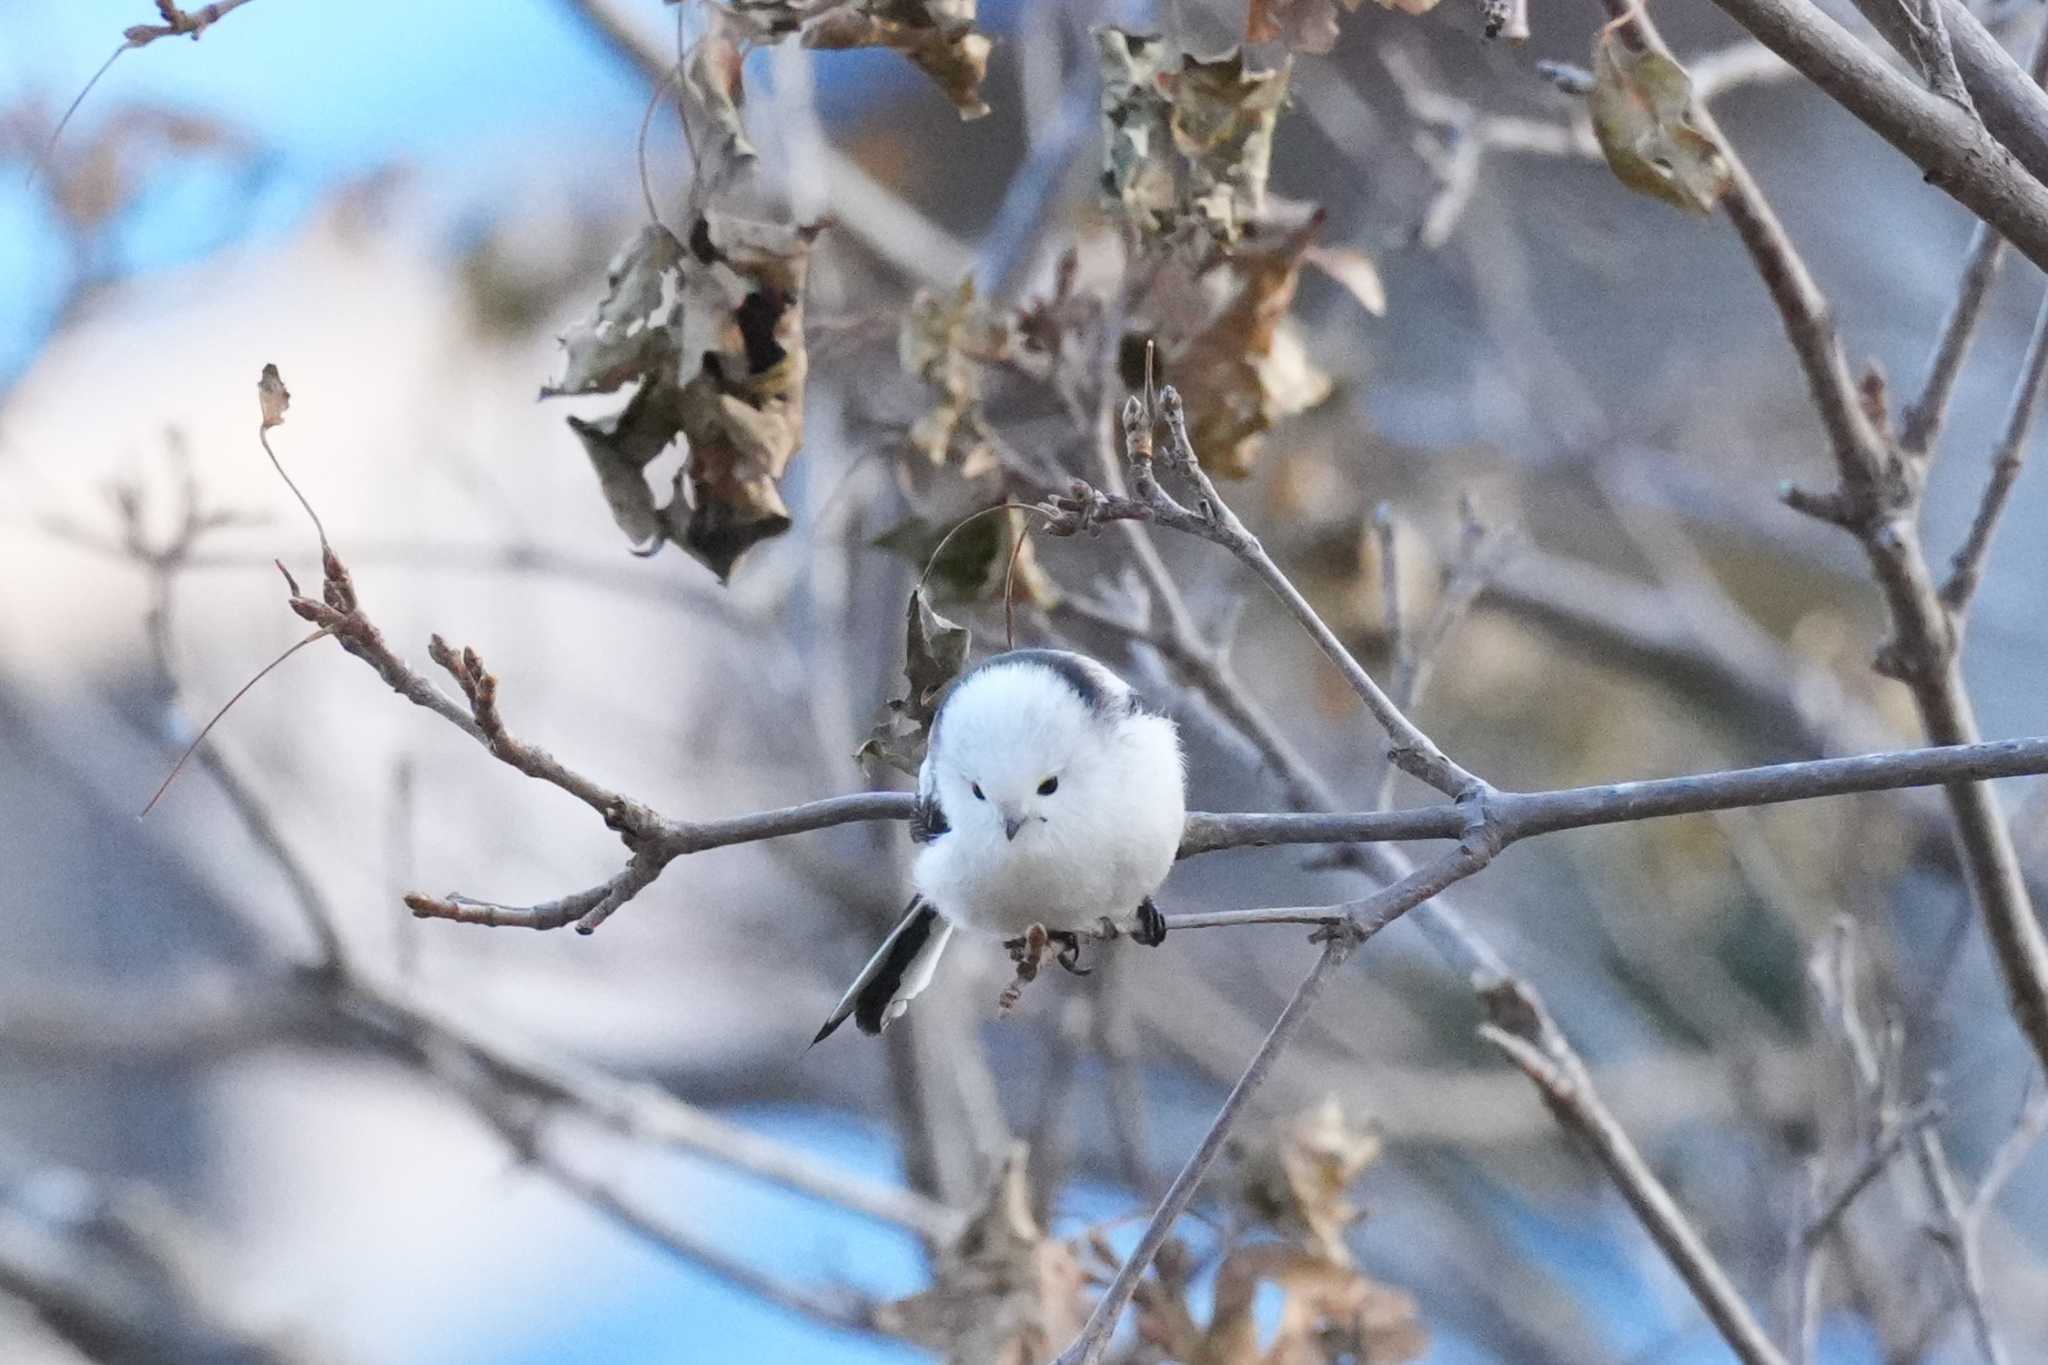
<point x="1070" y="950"/>
<point x="1151" y="924"/>
<point x="1028" y="952"/>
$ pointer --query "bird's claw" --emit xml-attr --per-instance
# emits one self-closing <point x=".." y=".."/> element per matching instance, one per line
<point x="1151" y="929"/>
<point x="1070" y="951"/>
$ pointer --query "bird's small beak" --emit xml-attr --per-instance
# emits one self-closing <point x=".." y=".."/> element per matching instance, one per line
<point x="1011" y="824"/>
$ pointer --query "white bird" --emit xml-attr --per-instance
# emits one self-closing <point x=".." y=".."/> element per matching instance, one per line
<point x="1050" y="796"/>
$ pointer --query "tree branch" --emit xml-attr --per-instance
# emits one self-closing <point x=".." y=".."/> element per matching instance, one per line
<point x="1088" y="1347"/>
<point x="1523" y="1030"/>
<point x="1878" y="499"/>
<point x="2007" y="458"/>
<point x="1951" y="146"/>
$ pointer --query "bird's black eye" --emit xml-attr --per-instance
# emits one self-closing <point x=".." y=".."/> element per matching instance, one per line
<point x="1049" y="786"/>
<point x="977" y="793"/>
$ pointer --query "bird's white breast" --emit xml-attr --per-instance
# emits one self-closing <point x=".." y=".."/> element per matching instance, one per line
<point x="1109" y="846"/>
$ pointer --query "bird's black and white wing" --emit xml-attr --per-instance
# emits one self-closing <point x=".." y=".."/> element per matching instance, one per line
<point x="900" y="968"/>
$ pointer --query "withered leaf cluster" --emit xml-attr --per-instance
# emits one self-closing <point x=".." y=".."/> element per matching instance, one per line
<point x="707" y="331"/>
<point x="707" y="328"/>
<point x="710" y="336"/>
<point x="1645" y="122"/>
<point x="955" y="475"/>
<point x="1226" y="340"/>
<point x="1293" y="1181"/>
<point x="1186" y="142"/>
<point x="1188" y="153"/>
<point x="934" y="652"/>
<point x="948" y="340"/>
<point x="1004" y="1293"/>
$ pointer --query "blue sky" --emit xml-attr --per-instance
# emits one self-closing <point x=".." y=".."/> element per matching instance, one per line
<point x="464" y="90"/>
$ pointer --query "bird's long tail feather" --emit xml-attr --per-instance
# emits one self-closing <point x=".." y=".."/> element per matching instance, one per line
<point x="900" y="968"/>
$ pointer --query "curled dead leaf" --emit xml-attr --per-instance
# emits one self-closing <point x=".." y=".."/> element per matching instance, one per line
<point x="1330" y="1313"/>
<point x="622" y="446"/>
<point x="1643" y="118"/>
<point x="1140" y="172"/>
<point x="713" y="104"/>
<point x="1226" y="341"/>
<point x="713" y="333"/>
<point x="1003" y="1293"/>
<point x="934" y="652"/>
<point x="628" y="337"/>
<point x="1224" y="113"/>
<point x="272" y="397"/>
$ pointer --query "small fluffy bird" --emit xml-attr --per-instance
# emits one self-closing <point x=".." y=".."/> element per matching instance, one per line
<point x="1049" y="796"/>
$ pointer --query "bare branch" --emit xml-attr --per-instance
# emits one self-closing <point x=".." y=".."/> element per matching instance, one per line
<point x="1957" y="1230"/>
<point x="1920" y="424"/>
<point x="2007" y="458"/>
<point x="1965" y="65"/>
<point x="1953" y="149"/>
<point x="1523" y="1030"/>
<point x="1878" y="498"/>
<point x="1212" y="520"/>
<point x="2018" y="1145"/>
<point x="1897" y="1131"/>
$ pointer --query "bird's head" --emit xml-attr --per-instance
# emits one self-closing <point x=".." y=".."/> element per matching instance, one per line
<point x="1020" y="742"/>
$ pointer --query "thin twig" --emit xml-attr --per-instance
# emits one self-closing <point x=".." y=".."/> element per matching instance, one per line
<point x="2007" y="458"/>
<point x="1088" y="1347"/>
<point x="1898" y="1130"/>
<point x="1920" y="424"/>
<point x="1522" y="1029"/>
<point x="1212" y="520"/>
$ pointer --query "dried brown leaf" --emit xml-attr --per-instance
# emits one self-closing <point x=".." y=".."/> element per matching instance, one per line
<point x="1192" y="144"/>
<point x="741" y="339"/>
<point x="1642" y="110"/>
<point x="1242" y="367"/>
<point x="628" y="338"/>
<point x="1003" y="1292"/>
<point x="713" y="103"/>
<point x="1141" y="171"/>
<point x="1331" y="1314"/>
<point x="1224" y="113"/>
<point x="713" y="333"/>
<point x="948" y="340"/>
<point x="934" y="652"/>
<point x="1295" y="1175"/>
<point x="272" y="397"/>
<point x="938" y="36"/>
<point x="620" y="447"/>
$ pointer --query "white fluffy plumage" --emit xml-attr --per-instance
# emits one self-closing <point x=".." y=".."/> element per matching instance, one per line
<point x="1049" y="796"/>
